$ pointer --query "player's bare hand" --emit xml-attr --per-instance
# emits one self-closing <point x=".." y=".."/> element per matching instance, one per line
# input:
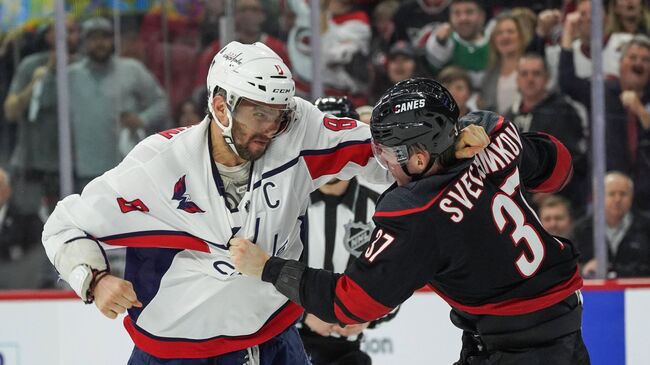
<point x="317" y="325"/>
<point x="114" y="296"/>
<point x="248" y="258"/>
<point x="472" y="140"/>
<point x="351" y="329"/>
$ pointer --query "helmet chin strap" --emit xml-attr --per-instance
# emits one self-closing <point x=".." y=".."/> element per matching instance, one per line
<point x="226" y="131"/>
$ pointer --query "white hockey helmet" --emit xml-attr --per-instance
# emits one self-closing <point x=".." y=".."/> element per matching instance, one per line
<point x="253" y="72"/>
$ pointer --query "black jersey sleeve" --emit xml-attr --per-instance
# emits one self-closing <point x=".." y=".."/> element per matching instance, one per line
<point x="546" y="164"/>
<point x="384" y="276"/>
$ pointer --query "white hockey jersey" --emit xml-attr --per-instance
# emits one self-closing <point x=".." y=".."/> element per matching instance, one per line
<point x="165" y="203"/>
<point x="346" y="35"/>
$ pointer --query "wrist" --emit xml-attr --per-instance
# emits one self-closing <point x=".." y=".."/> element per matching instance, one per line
<point x="83" y="279"/>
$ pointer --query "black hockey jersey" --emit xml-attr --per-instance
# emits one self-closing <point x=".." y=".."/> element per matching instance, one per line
<point x="468" y="233"/>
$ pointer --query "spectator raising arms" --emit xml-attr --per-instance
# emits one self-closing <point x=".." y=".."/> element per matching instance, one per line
<point x="462" y="41"/>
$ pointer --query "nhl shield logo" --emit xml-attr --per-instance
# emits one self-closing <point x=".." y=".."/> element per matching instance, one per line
<point x="357" y="234"/>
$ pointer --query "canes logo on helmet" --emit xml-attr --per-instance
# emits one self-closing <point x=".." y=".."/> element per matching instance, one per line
<point x="430" y="116"/>
<point x="409" y="105"/>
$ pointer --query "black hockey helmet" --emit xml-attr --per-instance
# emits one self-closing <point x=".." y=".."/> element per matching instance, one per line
<point x="338" y="106"/>
<point x="418" y="112"/>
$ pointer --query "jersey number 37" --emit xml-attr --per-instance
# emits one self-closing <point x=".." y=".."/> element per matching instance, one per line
<point x="503" y="205"/>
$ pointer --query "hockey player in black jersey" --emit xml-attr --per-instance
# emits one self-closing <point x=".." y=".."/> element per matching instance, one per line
<point x="461" y="227"/>
<point x="339" y="224"/>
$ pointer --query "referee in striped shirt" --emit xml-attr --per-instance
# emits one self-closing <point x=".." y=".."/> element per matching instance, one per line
<point x="340" y="223"/>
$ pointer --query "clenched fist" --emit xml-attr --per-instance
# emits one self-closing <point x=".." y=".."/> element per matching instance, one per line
<point x="114" y="296"/>
<point x="249" y="259"/>
<point x="472" y="140"/>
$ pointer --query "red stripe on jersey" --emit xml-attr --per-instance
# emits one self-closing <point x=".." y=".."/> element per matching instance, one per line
<point x="159" y="241"/>
<point x="398" y="213"/>
<point x="195" y="349"/>
<point x="333" y="162"/>
<point x="342" y="317"/>
<point x="357" y="15"/>
<point x="499" y="124"/>
<point x="519" y="306"/>
<point x="357" y="301"/>
<point x="562" y="171"/>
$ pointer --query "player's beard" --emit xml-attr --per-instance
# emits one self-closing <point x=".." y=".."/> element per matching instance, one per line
<point x="242" y="149"/>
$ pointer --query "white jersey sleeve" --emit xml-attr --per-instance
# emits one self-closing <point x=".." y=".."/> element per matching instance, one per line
<point x="336" y="148"/>
<point x="71" y="235"/>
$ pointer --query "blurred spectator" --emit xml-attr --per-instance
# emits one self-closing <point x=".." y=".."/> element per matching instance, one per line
<point x="550" y="112"/>
<point x="209" y="23"/>
<point x="115" y="102"/>
<point x="555" y="214"/>
<point x="190" y="114"/>
<point x="539" y="30"/>
<point x="345" y="49"/>
<point x="628" y="118"/>
<point x="249" y="17"/>
<point x="32" y="105"/>
<point x="507" y="45"/>
<point x="628" y="16"/>
<point x="575" y="47"/>
<point x="627" y="230"/>
<point x="401" y="64"/>
<point x="8" y="48"/>
<point x="383" y="31"/>
<point x="180" y="25"/>
<point x="528" y="21"/>
<point x="461" y="42"/>
<point x="457" y="81"/>
<point x="415" y="19"/>
<point x="173" y="64"/>
<point x="23" y="264"/>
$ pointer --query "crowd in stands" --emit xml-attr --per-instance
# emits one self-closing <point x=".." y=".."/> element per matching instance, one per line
<point x="529" y="61"/>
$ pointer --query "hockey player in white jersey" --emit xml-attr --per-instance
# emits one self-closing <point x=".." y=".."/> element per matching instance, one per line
<point x="180" y="195"/>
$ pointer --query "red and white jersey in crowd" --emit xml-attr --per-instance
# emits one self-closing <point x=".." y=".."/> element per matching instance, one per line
<point x="165" y="203"/>
<point x="346" y="35"/>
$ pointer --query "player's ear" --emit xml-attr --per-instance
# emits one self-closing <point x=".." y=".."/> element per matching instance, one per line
<point x="418" y="161"/>
<point x="219" y="106"/>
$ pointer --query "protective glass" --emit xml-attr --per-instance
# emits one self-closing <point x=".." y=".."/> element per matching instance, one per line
<point x="259" y="117"/>
<point x="397" y="155"/>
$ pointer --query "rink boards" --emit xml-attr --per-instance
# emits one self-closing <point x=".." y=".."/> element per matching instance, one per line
<point x="54" y="328"/>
